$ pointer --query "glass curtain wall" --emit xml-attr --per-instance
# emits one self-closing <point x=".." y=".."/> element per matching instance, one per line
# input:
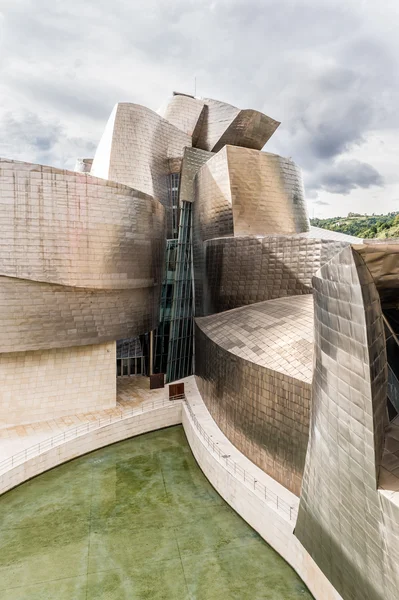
<point x="181" y="322"/>
<point x="173" y="339"/>
<point x="130" y="358"/>
<point x="161" y="334"/>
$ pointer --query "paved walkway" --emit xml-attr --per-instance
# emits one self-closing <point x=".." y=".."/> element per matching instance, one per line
<point x="131" y="392"/>
<point x="233" y="460"/>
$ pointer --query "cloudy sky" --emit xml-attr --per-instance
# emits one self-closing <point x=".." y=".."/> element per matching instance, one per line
<point x="328" y="69"/>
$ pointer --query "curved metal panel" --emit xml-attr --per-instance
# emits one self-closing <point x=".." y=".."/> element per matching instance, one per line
<point x="135" y="149"/>
<point x="246" y="192"/>
<point x="253" y="369"/>
<point x="193" y="159"/>
<point x="346" y="525"/>
<point x="226" y="124"/>
<point x="73" y="229"/>
<point x="36" y="315"/>
<point x="382" y="260"/>
<point x="250" y="129"/>
<point x="267" y="193"/>
<point x="185" y="113"/>
<point x="236" y="271"/>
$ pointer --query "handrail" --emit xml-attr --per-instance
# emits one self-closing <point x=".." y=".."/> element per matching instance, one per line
<point x="389" y="327"/>
<point x="265" y="493"/>
<point x="70" y="434"/>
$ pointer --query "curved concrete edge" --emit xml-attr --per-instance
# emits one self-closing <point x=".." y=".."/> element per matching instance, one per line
<point x="271" y="525"/>
<point x="151" y="420"/>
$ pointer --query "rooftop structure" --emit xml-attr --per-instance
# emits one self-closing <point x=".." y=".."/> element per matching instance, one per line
<point x="183" y="248"/>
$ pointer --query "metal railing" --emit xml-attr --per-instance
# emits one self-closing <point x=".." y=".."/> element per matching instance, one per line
<point x="74" y="432"/>
<point x="265" y="493"/>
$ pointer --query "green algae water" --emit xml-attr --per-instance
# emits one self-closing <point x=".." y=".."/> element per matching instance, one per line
<point x="136" y="520"/>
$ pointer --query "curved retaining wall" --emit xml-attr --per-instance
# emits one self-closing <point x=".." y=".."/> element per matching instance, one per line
<point x="259" y="398"/>
<point x="165" y="416"/>
<point x="273" y="525"/>
<point x="274" y="528"/>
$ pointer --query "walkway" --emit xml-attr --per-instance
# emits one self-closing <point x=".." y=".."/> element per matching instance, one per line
<point x="131" y="392"/>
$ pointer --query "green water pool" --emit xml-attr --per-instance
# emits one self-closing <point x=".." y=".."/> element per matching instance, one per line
<point x="134" y="520"/>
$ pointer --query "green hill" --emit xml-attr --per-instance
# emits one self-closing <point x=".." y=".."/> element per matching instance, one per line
<point x="363" y="226"/>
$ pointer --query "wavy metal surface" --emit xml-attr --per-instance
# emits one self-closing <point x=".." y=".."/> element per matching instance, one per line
<point x="246" y="192"/>
<point x="36" y="315"/>
<point x="136" y="149"/>
<point x="224" y="124"/>
<point x="254" y="369"/>
<point x="185" y="113"/>
<point x="382" y="260"/>
<point x="67" y="277"/>
<point x="73" y="229"/>
<point x="348" y="527"/>
<point x="236" y="271"/>
<point x="193" y="159"/>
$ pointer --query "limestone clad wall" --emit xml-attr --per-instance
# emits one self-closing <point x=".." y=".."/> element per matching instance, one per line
<point x="57" y="382"/>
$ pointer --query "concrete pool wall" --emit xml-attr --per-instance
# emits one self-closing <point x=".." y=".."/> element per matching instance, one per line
<point x="274" y="526"/>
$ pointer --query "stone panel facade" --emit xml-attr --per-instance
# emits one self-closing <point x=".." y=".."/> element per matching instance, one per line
<point x="59" y="382"/>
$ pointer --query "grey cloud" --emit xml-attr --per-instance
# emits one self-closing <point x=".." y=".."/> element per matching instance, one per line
<point x="30" y="139"/>
<point x="321" y="203"/>
<point x="345" y="175"/>
<point x="311" y="194"/>
<point x="324" y="69"/>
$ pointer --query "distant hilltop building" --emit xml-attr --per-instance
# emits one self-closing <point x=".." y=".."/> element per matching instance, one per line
<point x="182" y="248"/>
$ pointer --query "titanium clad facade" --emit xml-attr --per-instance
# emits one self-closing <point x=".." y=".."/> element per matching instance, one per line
<point x="291" y="355"/>
<point x="382" y="260"/>
<point x="240" y="194"/>
<point x="193" y="159"/>
<point x="245" y="192"/>
<point x="67" y="277"/>
<point x="266" y="192"/>
<point x="186" y="113"/>
<point x="254" y="370"/>
<point x="347" y="525"/>
<point x="224" y="124"/>
<point x="136" y="148"/>
<point x="35" y="315"/>
<point x="242" y="270"/>
<point x="76" y="230"/>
